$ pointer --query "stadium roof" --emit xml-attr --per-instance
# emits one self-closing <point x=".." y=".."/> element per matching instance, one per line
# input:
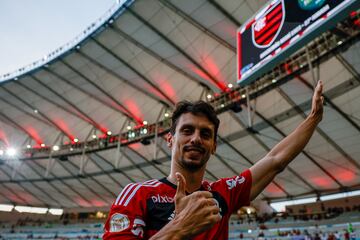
<point x="134" y="68"/>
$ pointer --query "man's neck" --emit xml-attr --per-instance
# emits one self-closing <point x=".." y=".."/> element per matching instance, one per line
<point x="193" y="179"/>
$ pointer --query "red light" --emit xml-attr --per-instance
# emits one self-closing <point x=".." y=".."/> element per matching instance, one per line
<point x="353" y="14"/>
<point x="34" y="135"/>
<point x="64" y="127"/>
<point x="98" y="203"/>
<point x="345" y="175"/>
<point x="273" y="189"/>
<point x="135" y="110"/>
<point x="4" y="138"/>
<point x="322" y="181"/>
<point x="82" y="202"/>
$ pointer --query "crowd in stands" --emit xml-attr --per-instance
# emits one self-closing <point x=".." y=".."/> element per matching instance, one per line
<point x="298" y="226"/>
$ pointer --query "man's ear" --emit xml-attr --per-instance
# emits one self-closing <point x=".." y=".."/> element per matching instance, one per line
<point x="169" y="139"/>
<point x="214" y="149"/>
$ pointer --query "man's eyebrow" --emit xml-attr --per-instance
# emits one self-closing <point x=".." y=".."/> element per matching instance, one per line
<point x="186" y="125"/>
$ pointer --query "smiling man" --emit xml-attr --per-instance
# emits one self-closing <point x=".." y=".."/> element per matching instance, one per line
<point x="184" y="205"/>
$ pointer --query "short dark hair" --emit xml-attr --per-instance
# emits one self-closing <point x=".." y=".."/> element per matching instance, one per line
<point x="196" y="108"/>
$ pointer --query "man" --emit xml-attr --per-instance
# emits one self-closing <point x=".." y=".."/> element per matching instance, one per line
<point x="183" y="205"/>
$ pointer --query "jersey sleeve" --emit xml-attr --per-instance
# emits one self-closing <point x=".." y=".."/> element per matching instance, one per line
<point x="236" y="190"/>
<point x="126" y="218"/>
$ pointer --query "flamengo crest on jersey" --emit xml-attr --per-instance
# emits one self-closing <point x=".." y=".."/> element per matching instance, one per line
<point x="130" y="190"/>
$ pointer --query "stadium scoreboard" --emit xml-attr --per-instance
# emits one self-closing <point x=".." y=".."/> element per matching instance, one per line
<point x="281" y="28"/>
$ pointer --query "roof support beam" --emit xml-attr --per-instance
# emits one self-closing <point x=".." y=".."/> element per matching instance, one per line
<point x="122" y="111"/>
<point x="148" y="161"/>
<point x="120" y="78"/>
<point x="83" y="116"/>
<point x="157" y="56"/>
<point x="318" y="130"/>
<point x="115" y="170"/>
<point x="31" y="115"/>
<point x="63" y="182"/>
<point x="196" y="24"/>
<point x="17" y="126"/>
<point x="69" y="164"/>
<point x="137" y="72"/>
<point x="223" y="140"/>
<point x="303" y="151"/>
<point x="212" y="78"/>
<point x="223" y="11"/>
<point x="37" y="187"/>
<point x="97" y="86"/>
<point x="108" y="175"/>
<point x="262" y="144"/>
<point x="39" y="112"/>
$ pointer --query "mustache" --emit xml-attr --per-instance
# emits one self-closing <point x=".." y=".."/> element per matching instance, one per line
<point x="194" y="147"/>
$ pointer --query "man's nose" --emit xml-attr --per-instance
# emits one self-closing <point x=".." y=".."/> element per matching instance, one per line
<point x="196" y="138"/>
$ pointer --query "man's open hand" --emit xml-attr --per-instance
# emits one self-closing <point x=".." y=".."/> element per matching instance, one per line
<point x="317" y="102"/>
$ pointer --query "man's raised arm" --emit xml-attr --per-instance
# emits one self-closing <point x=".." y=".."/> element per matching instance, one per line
<point x="264" y="171"/>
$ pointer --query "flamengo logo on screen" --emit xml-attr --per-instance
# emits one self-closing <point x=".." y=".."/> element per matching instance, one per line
<point x="162" y="199"/>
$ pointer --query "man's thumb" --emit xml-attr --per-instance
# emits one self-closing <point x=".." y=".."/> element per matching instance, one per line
<point x="181" y="185"/>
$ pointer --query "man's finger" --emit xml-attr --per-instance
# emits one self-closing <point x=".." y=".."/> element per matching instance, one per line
<point x="319" y="87"/>
<point x="203" y="194"/>
<point x="181" y="185"/>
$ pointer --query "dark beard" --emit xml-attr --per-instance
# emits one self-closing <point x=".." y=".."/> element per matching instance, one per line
<point x="190" y="166"/>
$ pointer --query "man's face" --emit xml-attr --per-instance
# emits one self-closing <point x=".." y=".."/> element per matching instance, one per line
<point x="193" y="141"/>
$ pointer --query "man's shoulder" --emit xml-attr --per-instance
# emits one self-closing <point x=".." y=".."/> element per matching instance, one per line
<point x="138" y="191"/>
<point x="232" y="182"/>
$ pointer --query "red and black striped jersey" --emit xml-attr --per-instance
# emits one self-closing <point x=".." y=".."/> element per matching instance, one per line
<point x="142" y="209"/>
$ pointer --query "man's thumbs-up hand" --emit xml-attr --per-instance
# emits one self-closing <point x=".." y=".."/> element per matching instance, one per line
<point x="180" y="200"/>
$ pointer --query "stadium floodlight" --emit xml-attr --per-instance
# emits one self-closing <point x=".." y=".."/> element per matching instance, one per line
<point x="25" y="209"/>
<point x="11" y="152"/>
<point x="340" y="195"/>
<point x="6" y="207"/>
<point x="56" y="211"/>
<point x="56" y="148"/>
<point x="281" y="206"/>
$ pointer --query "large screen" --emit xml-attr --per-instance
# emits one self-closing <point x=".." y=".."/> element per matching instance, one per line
<point x="281" y="28"/>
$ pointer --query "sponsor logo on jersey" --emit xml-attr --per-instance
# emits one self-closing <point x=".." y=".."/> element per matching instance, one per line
<point x="233" y="182"/>
<point x="162" y="199"/>
<point x="172" y="216"/>
<point x="119" y="222"/>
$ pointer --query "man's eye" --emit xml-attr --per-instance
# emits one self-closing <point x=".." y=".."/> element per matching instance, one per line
<point x="206" y="134"/>
<point x="187" y="130"/>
